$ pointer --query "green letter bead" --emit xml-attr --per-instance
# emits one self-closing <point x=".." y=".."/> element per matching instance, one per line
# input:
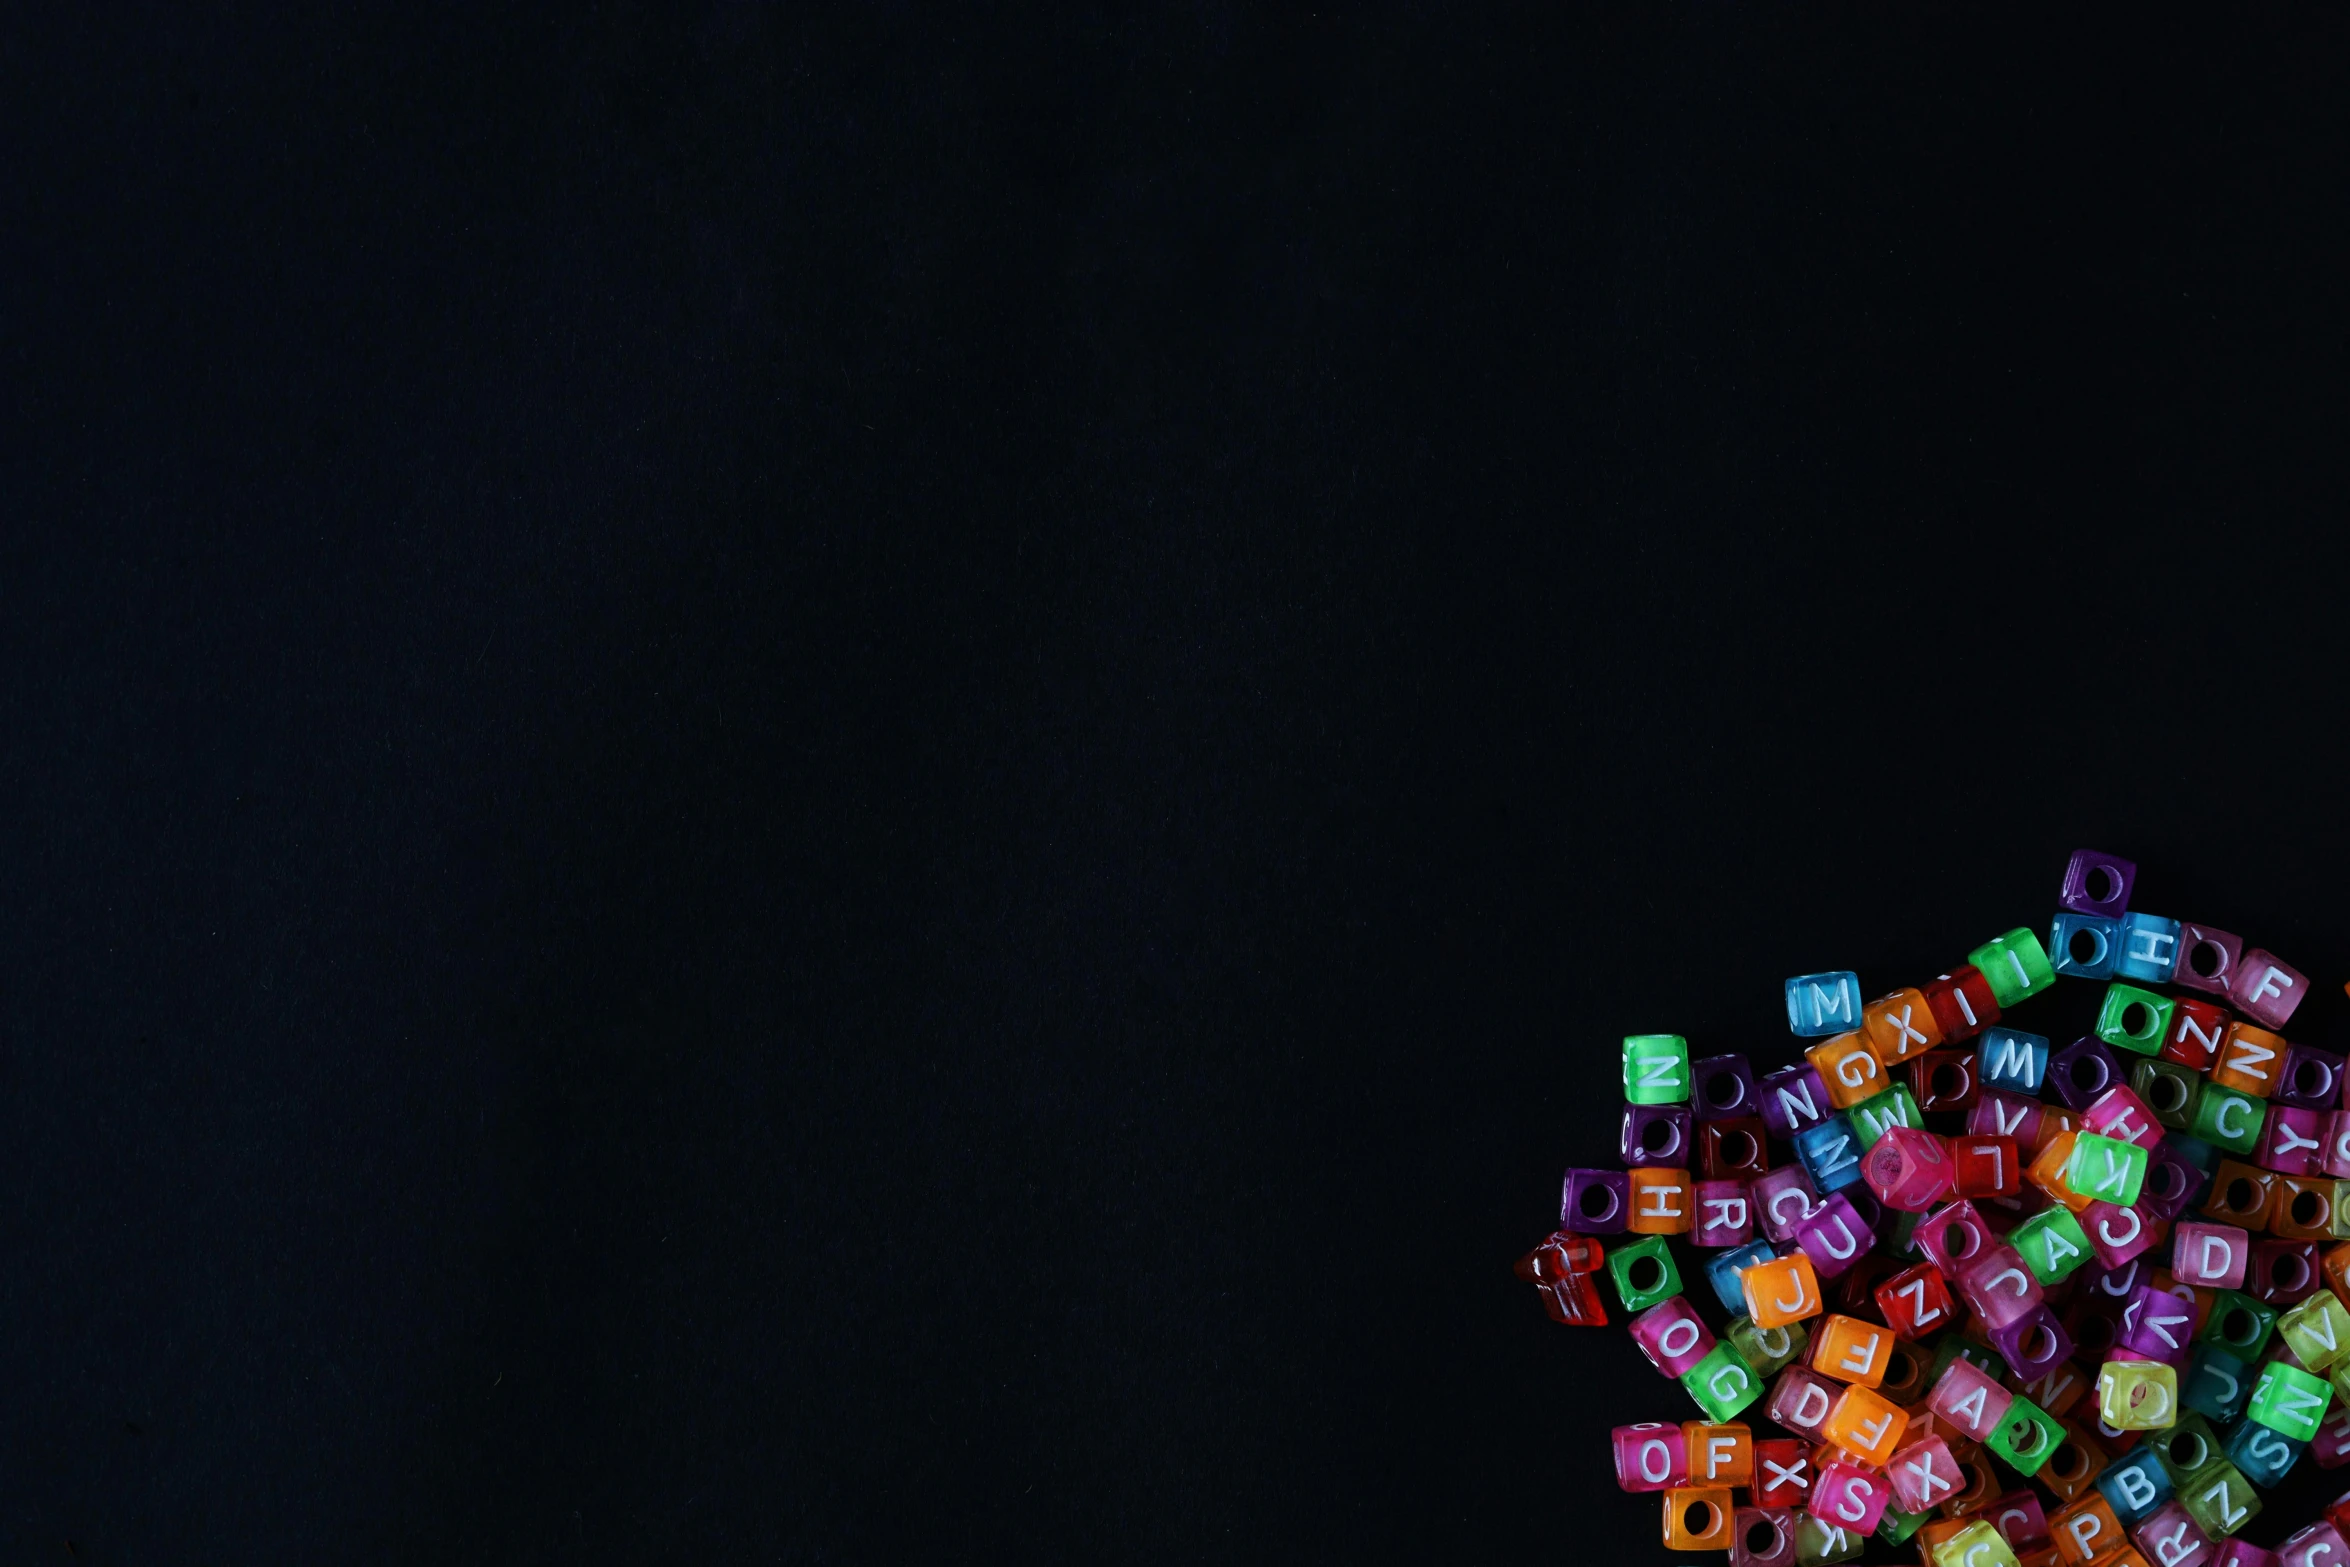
<point x="2106" y="1168"/>
<point x="2026" y="1437"/>
<point x="1896" y="1526"/>
<point x="2227" y="1119"/>
<point x="1768" y="1350"/>
<point x="2134" y="1019"/>
<point x="2052" y="1243"/>
<point x="2238" y="1324"/>
<point x="1875" y="1114"/>
<point x="1817" y="1543"/>
<point x="2187" y="1446"/>
<point x="2318" y="1330"/>
<point x="1639" y="1286"/>
<point x="2014" y="966"/>
<point x="1656" y="1069"/>
<point x="2341" y="1220"/>
<point x="1722" y="1383"/>
<point x="2217" y="1384"/>
<point x="2219" y="1499"/>
<point x="2168" y="1089"/>
<point x="2290" y="1402"/>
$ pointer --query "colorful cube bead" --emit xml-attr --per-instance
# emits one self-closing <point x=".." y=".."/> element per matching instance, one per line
<point x="2261" y="1455"/>
<point x="2288" y="1401"/>
<point x="2250" y="1060"/>
<point x="1655" y="1135"/>
<point x="2014" y="965"/>
<point x="2097" y="883"/>
<point x="2238" y="1324"/>
<point x="2317" y="1545"/>
<point x="2266" y="989"/>
<point x="2081" y="1071"/>
<point x="1643" y="1273"/>
<point x="2173" y="1182"/>
<point x="1851" y="1350"/>
<point x="2318" y="1331"/>
<point x="2137" y="1395"/>
<point x="2134" y="1019"/>
<point x="1985" y="1167"/>
<point x="2292" y="1141"/>
<point x="1783" y="1199"/>
<point x="1944" y="1081"/>
<point x="2311" y="1078"/>
<point x="1650" y="1457"/>
<point x="2157" y="1325"/>
<point x="1725" y="1215"/>
<point x="1908" y="1169"/>
<point x="2084" y="946"/>
<point x="1819" y="1543"/>
<point x="2087" y="1530"/>
<point x="1781" y="1291"/>
<point x="1762" y="1537"/>
<point x="2172" y="1537"/>
<point x="1923" y="1474"/>
<point x="1999" y="1285"/>
<point x="1851" y="1496"/>
<point x="1866" y="1424"/>
<point x="2120" y="1114"/>
<point x="1849" y="1068"/>
<point x="1722" y="1383"/>
<point x="2207" y="958"/>
<point x="2227" y="1118"/>
<point x="2135" y="1484"/>
<point x="2283" y="1273"/>
<point x="1878" y="1114"/>
<point x="2052" y="1242"/>
<point x="1664" y="1202"/>
<point x="1697" y="1518"/>
<point x="1822" y="1004"/>
<point x="1718" y="1454"/>
<point x="1672" y="1335"/>
<point x="2020" y="1520"/>
<point x="1900" y="1025"/>
<point x="1782" y="1473"/>
<point x="2219" y="1499"/>
<point x="2196" y="1029"/>
<point x="2106" y="1169"/>
<point x="1737" y="1149"/>
<point x="1962" y="1003"/>
<point x="1969" y="1399"/>
<point x="2011" y="1059"/>
<point x="2167" y="1089"/>
<point x="1916" y="1301"/>
<point x="2242" y="1194"/>
<point x="1595" y="1202"/>
<point x="2033" y="1344"/>
<point x="2000" y="1114"/>
<point x="1834" y="1236"/>
<point x="1656" y="1069"/>
<point x="2218" y="1383"/>
<point x="2149" y="949"/>
<point x="1793" y="1098"/>
<point x="1801" y="1400"/>
<point x="2025" y="1437"/>
<point x="2116" y="1235"/>
<point x="1767" y="1349"/>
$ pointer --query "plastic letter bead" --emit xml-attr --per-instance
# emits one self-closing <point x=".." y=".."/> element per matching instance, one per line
<point x="2020" y="1520"/>
<point x="1916" y="1302"/>
<point x="2185" y="1447"/>
<point x="2014" y="965"/>
<point x="2084" y="946"/>
<point x="2149" y="949"/>
<point x="1849" y="1068"/>
<point x="1767" y="1349"/>
<point x="2000" y="1114"/>
<point x="1851" y="1496"/>
<point x="1722" y="1383"/>
<point x="1698" y="1519"/>
<point x="1976" y="1545"/>
<point x="1818" y="1543"/>
<point x="2104" y="1169"/>
<point x="2167" y="1089"/>
<point x="2135" y="1484"/>
<point x="1655" y="1135"/>
<point x="1801" y="1400"/>
<point x="2172" y="1538"/>
<point x="2034" y="1344"/>
<point x="2087" y="1530"/>
<point x="1560" y="1254"/>
<point x="1782" y="1199"/>
<point x="1725" y="1215"/>
<point x="1900" y="1025"/>
<point x="2118" y="1234"/>
<point x="1650" y="1457"/>
<point x="2311" y="1079"/>
<point x="1781" y="1291"/>
<point x="1971" y="1401"/>
<point x="1878" y="1114"/>
<point x="2226" y="1118"/>
<point x="2331" y="1446"/>
<point x="2219" y="1499"/>
<point x="2218" y="1384"/>
<point x="2240" y="1325"/>
<point x="2172" y="1183"/>
<point x="1834" y="1236"/>
<point x="2292" y="1142"/>
<point x="1908" y="1169"/>
<point x="1656" y="1069"/>
<point x="2267" y="988"/>
<point x="2318" y="1332"/>
<point x="2319" y="1545"/>
<point x="1782" y="1473"/>
<point x="1822" y="1004"/>
<point x="2025" y="1438"/>
<point x="2207" y="959"/>
<point x="1962" y="1003"/>
<point x="1762" y="1537"/>
<point x="2289" y="1402"/>
<point x="2263" y="1456"/>
<point x="2158" y="1325"/>
<point x="2052" y="1244"/>
<point x="1952" y="1237"/>
<point x="2283" y="1273"/>
<point x="1664" y="1202"/>
<point x="2082" y="1071"/>
<point x="2196" y="1028"/>
<point x="2011" y="1059"/>
<point x="2120" y="1114"/>
<point x="1924" y="1475"/>
<point x="1830" y="1154"/>
<point x="2097" y="883"/>
<point x="1985" y="1167"/>
<point x="2137" y="1395"/>
<point x="1793" y="1098"/>
<point x="2134" y="1019"/>
<point x="1852" y="1351"/>
<point x="1999" y="1285"/>
<point x="1718" y="1455"/>
<point x="1867" y="1425"/>
<point x="1733" y="1150"/>
<point x="2249" y="1060"/>
<point x="1944" y="1080"/>
<point x="1595" y="1202"/>
<point x="2236" y="1553"/>
<point x="1643" y="1273"/>
<point x="2242" y="1194"/>
<point x="1672" y="1336"/>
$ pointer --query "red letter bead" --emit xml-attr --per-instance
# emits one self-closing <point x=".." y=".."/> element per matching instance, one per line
<point x="1985" y="1167"/>
<point x="1802" y="1399"/>
<point x="1782" y="1473"/>
<point x="2196" y="1028"/>
<point x="1962" y="1003"/>
<point x="1725" y="1215"/>
<point x="2266" y="988"/>
<point x="1574" y="1300"/>
<point x="1672" y="1335"/>
<point x="1915" y="1302"/>
<point x="1736" y="1149"/>
<point x="1944" y="1080"/>
<point x="1564" y="1252"/>
<point x="1650" y="1457"/>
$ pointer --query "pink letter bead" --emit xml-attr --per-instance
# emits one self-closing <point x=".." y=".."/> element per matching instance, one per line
<point x="2240" y="1553"/>
<point x="2293" y="1142"/>
<point x="2210" y="1256"/>
<point x="1672" y="1335"/>
<point x="2265" y="988"/>
<point x="2122" y="1115"/>
<point x="1782" y="1200"/>
<point x="1725" y="1214"/>
<point x="1924" y="1475"/>
<point x="1651" y="1457"/>
<point x="1999" y="1286"/>
<point x="1834" y="1236"/>
<point x="1967" y="1399"/>
<point x="2337" y="1155"/>
<point x="1999" y="1114"/>
<point x="2021" y="1521"/>
<point x="2319" y="1545"/>
<point x="2207" y="959"/>
<point x="1908" y="1169"/>
<point x="2331" y="1446"/>
<point x="1851" y="1496"/>
<point x="2118" y="1234"/>
<point x="1801" y="1400"/>
<point x="2169" y="1536"/>
<point x="1952" y="1237"/>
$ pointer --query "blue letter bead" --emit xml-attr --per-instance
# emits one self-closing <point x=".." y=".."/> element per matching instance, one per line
<point x="2149" y="949"/>
<point x="2136" y="1484"/>
<point x="2085" y="945"/>
<point x="1722" y="1272"/>
<point x="2012" y="1059"/>
<point x="1830" y="1154"/>
<point x="1822" y="1004"/>
<point x="2262" y="1454"/>
<point x="2217" y="1385"/>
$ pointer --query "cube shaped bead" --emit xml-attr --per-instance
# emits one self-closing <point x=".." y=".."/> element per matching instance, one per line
<point x="1908" y="1169"/>
<point x="1664" y="1202"/>
<point x="2227" y="1118"/>
<point x="1900" y="1025"/>
<point x="2283" y="1273"/>
<point x="1723" y="1086"/>
<point x="2025" y="1438"/>
<point x="2137" y="1395"/>
<point x="1793" y="1098"/>
<point x="2020" y="1520"/>
<point x="1650" y="1457"/>
<point x="2116" y="1235"/>
<point x="2239" y="1325"/>
<point x="1767" y="1350"/>
<point x="2292" y="1141"/>
<point x="2311" y="1078"/>
<point x="2242" y="1194"/>
<point x="1781" y="1291"/>
<point x="2218" y="1384"/>
<point x="1697" y="1518"/>
<point x="1725" y="1215"/>
<point x="1962" y="1002"/>
<point x="2106" y="1169"/>
<point x="1735" y="1149"/>
<point x="1819" y="1543"/>
<point x="2219" y="1499"/>
<point x="1822" y="1004"/>
<point x="1970" y="1400"/>
<point x="2266" y="988"/>
<point x="2119" y="1113"/>
<point x="1944" y="1081"/>
<point x="1722" y="1383"/>
<point x="2196" y="1029"/>
<point x="2148" y="951"/>
<point x="1953" y="1237"/>
<point x="1782" y="1472"/>
<point x="1985" y="1167"/>
<point x="2250" y="1060"/>
<point x="2011" y="1059"/>
<point x="1849" y="1067"/>
<point x="1656" y="1069"/>
<point x="2173" y="1182"/>
<point x="2082" y="1071"/>
<point x="2034" y="1344"/>
<point x="1916" y="1301"/>
<point x="2052" y="1244"/>
<point x="1782" y="1200"/>
<point x="1595" y="1202"/>
<point x="1896" y="1527"/>
<point x="2171" y="1536"/>
<point x="1999" y="1285"/>
<point x="2308" y="1208"/>
<point x="1762" y="1537"/>
<point x="1851" y="1350"/>
<point x="2136" y="1483"/>
<point x="1801" y="1399"/>
<point x="2157" y="1325"/>
<point x="2331" y="1446"/>
<point x="2187" y="1446"/>
<point x="1830" y="1154"/>
<point x="1923" y="1474"/>
<point x="1643" y="1273"/>
<point x="1874" y="1116"/>
<point x="2000" y="1114"/>
<point x="2014" y="965"/>
<point x="1718" y="1454"/>
<point x="1672" y="1335"/>
<point x="2086" y="1530"/>
<point x="2097" y="883"/>
<point x="2318" y="1331"/>
<point x="1866" y="1424"/>
<point x="1655" y="1135"/>
<point x="2317" y="1545"/>
<point x="2084" y="946"/>
<point x="2134" y="1019"/>
<point x="1851" y="1496"/>
<point x="1834" y="1236"/>
<point x="2263" y="1456"/>
<point x="2336" y="1158"/>
<point x="2168" y="1091"/>
<point x="2207" y="958"/>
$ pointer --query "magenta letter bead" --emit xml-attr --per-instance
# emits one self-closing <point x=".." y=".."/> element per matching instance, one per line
<point x="1783" y="1199"/>
<point x="2319" y="1545"/>
<point x="2210" y="1256"/>
<point x="2311" y="1078"/>
<point x="2293" y="1143"/>
<point x="2337" y="1157"/>
<point x="2266" y="988"/>
<point x="1725" y="1214"/>
<point x="1793" y="1098"/>
<point x="2122" y="1115"/>
<point x="1997" y="1113"/>
<point x="1953" y="1237"/>
<point x="1595" y="1202"/>
<point x="2331" y="1446"/>
<point x="2034" y="1344"/>
<point x="2118" y="1234"/>
<point x="1834" y="1237"/>
<point x="2097" y="883"/>
<point x="1924" y="1475"/>
<point x="1650" y="1457"/>
<point x="1908" y="1169"/>
<point x="1850" y="1495"/>
<point x="2171" y="1537"/>
<point x="2240" y="1553"/>
<point x="2207" y="959"/>
<point x="1672" y="1335"/>
<point x="1801" y="1400"/>
<point x="1998" y="1285"/>
<point x="1968" y="1399"/>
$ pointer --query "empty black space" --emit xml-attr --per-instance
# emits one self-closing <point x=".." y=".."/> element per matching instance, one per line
<point x="884" y="785"/>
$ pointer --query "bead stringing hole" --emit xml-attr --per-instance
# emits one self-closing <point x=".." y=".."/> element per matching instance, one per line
<point x="2308" y="1207"/>
<point x="1762" y="1537"/>
<point x="2168" y="1093"/>
<point x="1737" y="1148"/>
<point x="2104" y="885"/>
<point x="1647" y="1274"/>
<point x="2039" y="1345"/>
<point x="2205" y="958"/>
<point x="1597" y="1202"/>
<point x="2084" y="945"/>
<point x="1698" y="1518"/>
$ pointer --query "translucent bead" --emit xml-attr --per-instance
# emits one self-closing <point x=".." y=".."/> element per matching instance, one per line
<point x="1722" y="1087"/>
<point x="2120" y="1114"/>
<point x="2134" y="1019"/>
<point x="1849" y="1066"/>
<point x="1850" y="1496"/>
<point x="1718" y="1454"/>
<point x="2025" y="1438"/>
<point x="2318" y="1330"/>
<point x="1969" y="1399"/>
<point x="1650" y="1457"/>
<point x="1698" y="1519"/>
<point x="1999" y="1286"/>
<point x="2220" y="1499"/>
<point x="1655" y="1134"/>
<point x="1762" y="1537"/>
<point x="2135" y="1484"/>
<point x="1767" y="1349"/>
<point x="2137" y="1395"/>
<point x="2289" y="1402"/>
<point x="1783" y="1199"/>
<point x="1722" y="1383"/>
<point x="2015" y="966"/>
<point x="1782" y="1473"/>
<point x="1909" y="1169"/>
<point x="1664" y="1202"/>
<point x="2311" y="1079"/>
<point x="1792" y="1099"/>
<point x="1822" y="1004"/>
<point x="1900" y="1025"/>
<point x="1643" y="1272"/>
<point x="2263" y="1456"/>
<point x="1595" y="1202"/>
<point x="2148" y="950"/>
<point x="2052" y="1243"/>
<point x="2011" y="1059"/>
<point x="2084" y="946"/>
<point x="2157" y="1325"/>
<point x="2207" y="958"/>
<point x="1781" y="1291"/>
<point x="1656" y="1069"/>
<point x="1916" y="1302"/>
<point x="1852" y="1351"/>
<point x="1725" y="1215"/>
<point x="1924" y="1475"/>
<point x="1962" y="1002"/>
<point x="2081" y="1071"/>
<point x="1830" y="1154"/>
<point x="2218" y="1384"/>
<point x="1672" y="1335"/>
<point x="2171" y="1535"/>
<point x="2266" y="988"/>
<point x="1866" y="1424"/>
<point x="2106" y="1169"/>
<point x="2097" y="883"/>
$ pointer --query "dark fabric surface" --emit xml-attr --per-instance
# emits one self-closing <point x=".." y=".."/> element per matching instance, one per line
<point x="882" y="788"/>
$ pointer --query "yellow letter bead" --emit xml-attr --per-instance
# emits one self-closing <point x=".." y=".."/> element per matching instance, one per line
<point x="2138" y="1395"/>
<point x="2318" y="1331"/>
<point x="1976" y="1545"/>
<point x="1849" y="1067"/>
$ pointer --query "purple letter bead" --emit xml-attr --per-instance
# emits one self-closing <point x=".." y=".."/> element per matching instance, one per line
<point x="2157" y="1325"/>
<point x="1656" y="1136"/>
<point x="2311" y="1080"/>
<point x="1595" y="1202"/>
<point x="1721" y="1087"/>
<point x="2083" y="1070"/>
<point x="1793" y="1098"/>
<point x="1782" y="1200"/>
<point x="2172" y="1184"/>
<point x="2097" y="883"/>
<point x="1834" y="1237"/>
<point x="2034" y="1344"/>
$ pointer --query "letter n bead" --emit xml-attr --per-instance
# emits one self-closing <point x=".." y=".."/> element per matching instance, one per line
<point x="2289" y="1402"/>
<point x="1793" y="1098"/>
<point x="1656" y="1069"/>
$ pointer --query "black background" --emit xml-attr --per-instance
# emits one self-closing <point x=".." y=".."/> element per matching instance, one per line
<point x="792" y="789"/>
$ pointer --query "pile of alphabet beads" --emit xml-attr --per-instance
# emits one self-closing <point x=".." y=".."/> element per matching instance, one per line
<point x="2010" y="1303"/>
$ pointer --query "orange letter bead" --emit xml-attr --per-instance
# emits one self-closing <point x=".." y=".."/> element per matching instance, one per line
<point x="1781" y="1292"/>
<point x="1718" y="1455"/>
<point x="1865" y="1425"/>
<point x="1697" y="1519"/>
<point x="1851" y="1350"/>
<point x="1849" y="1068"/>
<point x="2087" y="1531"/>
<point x="1663" y="1203"/>
<point x="2047" y="1172"/>
<point x="1900" y="1025"/>
<point x="2249" y="1060"/>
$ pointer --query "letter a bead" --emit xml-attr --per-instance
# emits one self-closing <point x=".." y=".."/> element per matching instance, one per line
<point x="1970" y="1400"/>
<point x="1822" y="1004"/>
